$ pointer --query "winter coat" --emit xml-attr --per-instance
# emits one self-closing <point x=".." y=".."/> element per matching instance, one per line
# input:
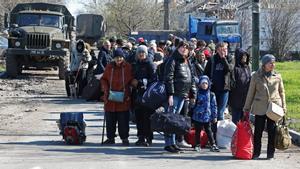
<point x="242" y="76"/>
<point x="198" y="68"/>
<point x="205" y="109"/>
<point x="143" y="69"/>
<point x="178" y="77"/>
<point x="104" y="57"/>
<point x="226" y="65"/>
<point x="117" y="85"/>
<point x="257" y="97"/>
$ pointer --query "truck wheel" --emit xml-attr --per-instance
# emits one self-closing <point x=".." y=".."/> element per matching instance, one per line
<point x="62" y="66"/>
<point x="12" y="68"/>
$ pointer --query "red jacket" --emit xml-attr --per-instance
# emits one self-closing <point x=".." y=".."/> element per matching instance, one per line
<point x="117" y="85"/>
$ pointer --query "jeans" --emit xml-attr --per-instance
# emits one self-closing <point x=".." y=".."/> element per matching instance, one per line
<point x="177" y="106"/>
<point x="237" y="114"/>
<point x="222" y="99"/>
<point x="122" y="118"/>
<point x="259" y="125"/>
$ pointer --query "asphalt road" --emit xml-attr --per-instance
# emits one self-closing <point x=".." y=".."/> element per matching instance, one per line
<point x="29" y="138"/>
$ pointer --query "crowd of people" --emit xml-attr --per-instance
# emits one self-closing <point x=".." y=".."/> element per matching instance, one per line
<point x="201" y="80"/>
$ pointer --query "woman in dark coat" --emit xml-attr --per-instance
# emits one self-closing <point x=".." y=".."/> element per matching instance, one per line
<point x="242" y="76"/>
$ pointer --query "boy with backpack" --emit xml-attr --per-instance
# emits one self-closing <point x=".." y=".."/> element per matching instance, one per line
<point x="205" y="113"/>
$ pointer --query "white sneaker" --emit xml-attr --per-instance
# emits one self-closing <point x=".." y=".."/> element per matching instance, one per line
<point x="184" y="144"/>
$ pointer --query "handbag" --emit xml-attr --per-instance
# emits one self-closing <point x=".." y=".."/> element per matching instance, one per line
<point x="274" y="112"/>
<point x="282" y="137"/>
<point x="116" y="96"/>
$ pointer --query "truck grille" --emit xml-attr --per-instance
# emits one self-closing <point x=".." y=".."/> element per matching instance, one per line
<point x="38" y="41"/>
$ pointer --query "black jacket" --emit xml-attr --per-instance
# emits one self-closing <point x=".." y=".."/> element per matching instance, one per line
<point x="144" y="69"/>
<point x="104" y="57"/>
<point x="178" y="77"/>
<point x="242" y="75"/>
<point x="228" y="65"/>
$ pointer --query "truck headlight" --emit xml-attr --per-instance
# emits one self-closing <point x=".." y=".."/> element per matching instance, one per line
<point x="17" y="44"/>
<point x="58" y="45"/>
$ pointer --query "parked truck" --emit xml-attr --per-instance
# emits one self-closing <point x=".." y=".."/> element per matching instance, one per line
<point x="39" y="37"/>
<point x="90" y="27"/>
<point x="206" y="29"/>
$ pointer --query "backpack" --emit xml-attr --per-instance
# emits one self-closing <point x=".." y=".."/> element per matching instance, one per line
<point x="170" y="123"/>
<point x="72" y="128"/>
<point x="154" y="95"/>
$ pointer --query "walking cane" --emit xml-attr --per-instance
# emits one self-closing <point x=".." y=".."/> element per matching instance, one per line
<point x="103" y="128"/>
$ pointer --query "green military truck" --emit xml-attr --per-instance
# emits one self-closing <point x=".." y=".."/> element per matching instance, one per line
<point x="40" y="36"/>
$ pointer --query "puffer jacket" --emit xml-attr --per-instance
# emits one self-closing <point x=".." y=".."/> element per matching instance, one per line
<point x="205" y="109"/>
<point x="242" y="76"/>
<point x="257" y="96"/>
<point x="178" y="77"/>
<point x="117" y="85"/>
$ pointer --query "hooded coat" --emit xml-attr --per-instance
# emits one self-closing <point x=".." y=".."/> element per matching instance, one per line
<point x="242" y="76"/>
<point x="205" y="109"/>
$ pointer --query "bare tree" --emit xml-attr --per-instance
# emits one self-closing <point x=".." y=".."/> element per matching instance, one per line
<point x="282" y="27"/>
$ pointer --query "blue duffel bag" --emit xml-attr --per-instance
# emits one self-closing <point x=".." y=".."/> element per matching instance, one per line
<point x="155" y="95"/>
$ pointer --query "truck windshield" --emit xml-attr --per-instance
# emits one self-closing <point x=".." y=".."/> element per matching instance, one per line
<point x="227" y="29"/>
<point x="39" y="20"/>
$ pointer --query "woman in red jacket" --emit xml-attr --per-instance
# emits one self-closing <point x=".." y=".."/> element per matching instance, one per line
<point x="116" y="81"/>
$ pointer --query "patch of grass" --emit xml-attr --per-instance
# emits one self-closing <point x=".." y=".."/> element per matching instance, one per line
<point x="2" y="69"/>
<point x="290" y="72"/>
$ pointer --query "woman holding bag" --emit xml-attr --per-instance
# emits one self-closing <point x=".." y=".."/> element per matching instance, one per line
<point x="265" y="86"/>
<point x="115" y="84"/>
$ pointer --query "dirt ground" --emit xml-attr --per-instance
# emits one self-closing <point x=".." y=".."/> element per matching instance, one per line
<point x="29" y="136"/>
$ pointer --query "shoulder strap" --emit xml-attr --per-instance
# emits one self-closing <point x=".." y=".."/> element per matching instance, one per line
<point x="111" y="76"/>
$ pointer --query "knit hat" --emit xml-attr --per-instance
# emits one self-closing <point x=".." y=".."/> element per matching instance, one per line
<point x="267" y="58"/>
<point x="204" y="80"/>
<point x="142" y="48"/>
<point x="118" y="52"/>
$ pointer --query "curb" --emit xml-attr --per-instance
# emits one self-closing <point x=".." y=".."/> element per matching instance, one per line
<point x="295" y="136"/>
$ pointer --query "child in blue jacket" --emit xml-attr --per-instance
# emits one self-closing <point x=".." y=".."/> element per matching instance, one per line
<point x="205" y="113"/>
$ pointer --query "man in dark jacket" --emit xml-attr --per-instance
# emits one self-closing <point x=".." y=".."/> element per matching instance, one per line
<point x="238" y="92"/>
<point x="179" y="85"/>
<point x="219" y="69"/>
<point x="104" y="57"/>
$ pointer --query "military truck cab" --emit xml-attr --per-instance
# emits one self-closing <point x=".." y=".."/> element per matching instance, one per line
<point x="39" y="37"/>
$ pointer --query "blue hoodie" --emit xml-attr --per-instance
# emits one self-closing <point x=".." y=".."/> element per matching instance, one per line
<point x="205" y="109"/>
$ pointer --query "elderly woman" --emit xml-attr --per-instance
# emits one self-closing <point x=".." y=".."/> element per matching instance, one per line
<point x="115" y="84"/>
<point x="264" y="81"/>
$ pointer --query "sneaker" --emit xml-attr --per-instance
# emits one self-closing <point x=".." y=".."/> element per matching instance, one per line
<point x="149" y="141"/>
<point x="255" y="157"/>
<point x="270" y="157"/>
<point x="125" y="142"/>
<point x="141" y="142"/>
<point x="214" y="148"/>
<point x="176" y="147"/>
<point x="183" y="144"/>
<point x="171" y="149"/>
<point x="109" y="141"/>
<point x="197" y="148"/>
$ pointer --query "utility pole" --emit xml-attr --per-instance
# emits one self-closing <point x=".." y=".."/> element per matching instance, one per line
<point x="255" y="35"/>
<point x="167" y="14"/>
